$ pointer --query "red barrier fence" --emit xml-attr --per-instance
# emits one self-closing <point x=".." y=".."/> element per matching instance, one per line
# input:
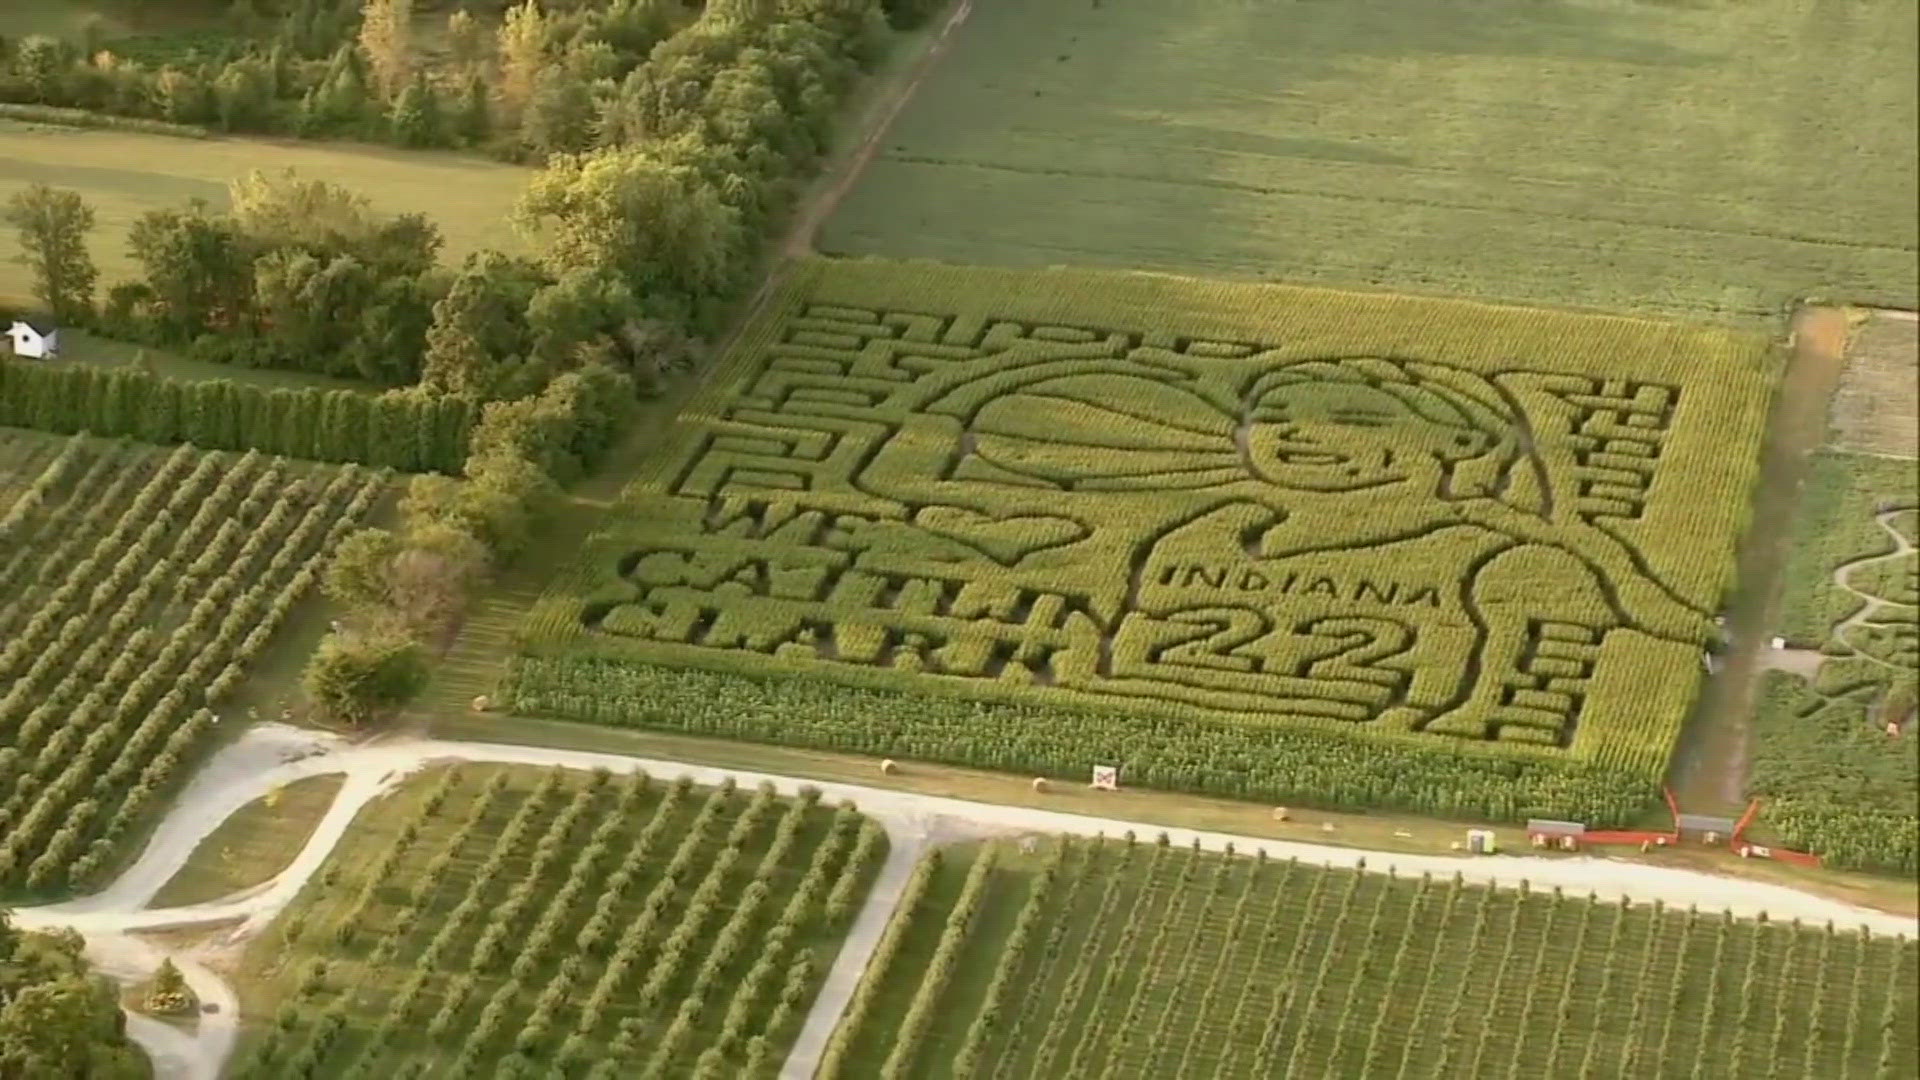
<point x="1647" y="838"/>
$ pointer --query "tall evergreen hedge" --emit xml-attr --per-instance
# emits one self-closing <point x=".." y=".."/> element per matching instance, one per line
<point x="408" y="431"/>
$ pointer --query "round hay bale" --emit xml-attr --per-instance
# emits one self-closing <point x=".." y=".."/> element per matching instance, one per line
<point x="1454" y="846"/>
<point x="1326" y="826"/>
<point x="1281" y="813"/>
<point x="482" y="703"/>
<point x="888" y="768"/>
<point x="1040" y="783"/>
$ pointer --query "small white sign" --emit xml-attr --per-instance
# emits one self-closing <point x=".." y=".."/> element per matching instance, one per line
<point x="1106" y="777"/>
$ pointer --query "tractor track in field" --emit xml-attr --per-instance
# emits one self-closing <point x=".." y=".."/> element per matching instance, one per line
<point x="272" y="755"/>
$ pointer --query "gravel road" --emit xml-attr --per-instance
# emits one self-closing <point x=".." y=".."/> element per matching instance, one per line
<point x="271" y="755"/>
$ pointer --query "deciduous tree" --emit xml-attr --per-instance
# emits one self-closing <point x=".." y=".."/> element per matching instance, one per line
<point x="52" y="225"/>
<point x="57" y="1019"/>
<point x="416" y="117"/>
<point x="465" y="39"/>
<point x="385" y="26"/>
<point x="658" y="225"/>
<point x="168" y="993"/>
<point x="559" y="117"/>
<point x="358" y="676"/>
<point x="479" y="342"/>
<point x="39" y="60"/>
<point x="475" y="121"/>
<point x="522" y="50"/>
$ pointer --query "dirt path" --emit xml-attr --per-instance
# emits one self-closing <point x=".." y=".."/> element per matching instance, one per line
<point x="1710" y="764"/>
<point x="271" y="755"/>
<point x="176" y="1052"/>
<point x="817" y="208"/>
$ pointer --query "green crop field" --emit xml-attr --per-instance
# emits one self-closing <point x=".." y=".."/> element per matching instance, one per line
<point x="1836" y="778"/>
<point x="1252" y="540"/>
<point x="514" y="922"/>
<point x="136" y="586"/>
<point x="1672" y="157"/>
<point x="1139" y="960"/>
<point x="1854" y="510"/>
<point x="124" y="174"/>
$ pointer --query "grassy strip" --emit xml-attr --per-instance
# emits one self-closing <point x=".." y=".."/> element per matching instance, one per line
<point x="255" y="843"/>
<point x="87" y="118"/>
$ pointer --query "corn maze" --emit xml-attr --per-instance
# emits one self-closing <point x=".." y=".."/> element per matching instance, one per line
<point x="1834" y="755"/>
<point x="1133" y="959"/>
<point x="136" y="586"/>
<point x="1441" y="526"/>
<point x="546" y="923"/>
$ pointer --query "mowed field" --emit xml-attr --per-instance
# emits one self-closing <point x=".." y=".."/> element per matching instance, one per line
<point x="124" y="174"/>
<point x="1686" y="159"/>
<point x="1250" y="540"/>
<point x="1126" y="959"/>
<point x="517" y="922"/>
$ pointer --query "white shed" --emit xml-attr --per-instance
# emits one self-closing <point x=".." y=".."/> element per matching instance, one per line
<point x="36" y="339"/>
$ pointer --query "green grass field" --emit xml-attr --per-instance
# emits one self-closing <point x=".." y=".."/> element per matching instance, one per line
<point x="1135" y="960"/>
<point x="79" y="347"/>
<point x="123" y="175"/>
<point x="1257" y="532"/>
<point x="514" y="922"/>
<point x="254" y="844"/>
<point x="1705" y="159"/>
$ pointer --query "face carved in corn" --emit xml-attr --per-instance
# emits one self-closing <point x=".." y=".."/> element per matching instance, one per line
<point x="1326" y="455"/>
<point x="1316" y="435"/>
<point x="1333" y="427"/>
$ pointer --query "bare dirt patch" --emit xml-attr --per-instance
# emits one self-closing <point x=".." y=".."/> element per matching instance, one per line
<point x="1877" y="407"/>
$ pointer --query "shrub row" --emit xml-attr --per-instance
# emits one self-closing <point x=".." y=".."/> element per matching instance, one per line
<point x="1006" y="968"/>
<point x="781" y="942"/>
<point x="946" y="955"/>
<point x="405" y="431"/>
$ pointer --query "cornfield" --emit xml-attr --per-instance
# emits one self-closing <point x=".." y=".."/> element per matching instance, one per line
<point x="1213" y="532"/>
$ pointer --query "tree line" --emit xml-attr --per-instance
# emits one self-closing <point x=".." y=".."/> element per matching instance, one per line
<point x="518" y="80"/>
<point x="641" y="245"/>
<point x="406" y="431"/>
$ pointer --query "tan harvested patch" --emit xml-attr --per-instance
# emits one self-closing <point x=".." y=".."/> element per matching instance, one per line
<point x="1877" y="407"/>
